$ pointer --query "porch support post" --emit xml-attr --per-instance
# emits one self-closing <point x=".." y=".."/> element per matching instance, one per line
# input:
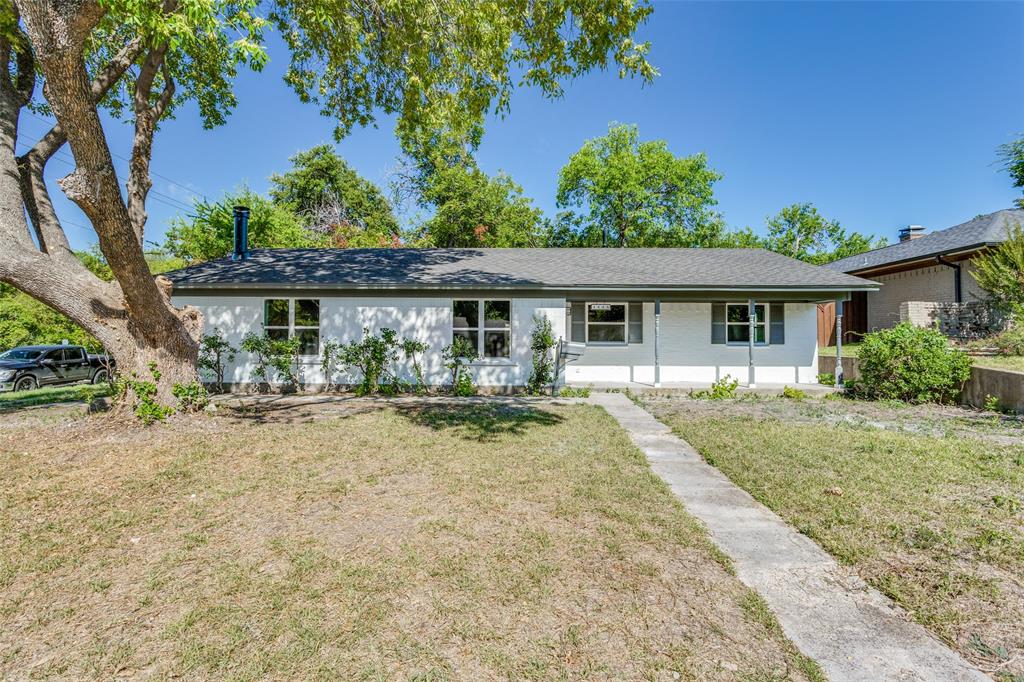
<point x="752" y="322"/>
<point x="839" y="343"/>
<point x="657" y="338"/>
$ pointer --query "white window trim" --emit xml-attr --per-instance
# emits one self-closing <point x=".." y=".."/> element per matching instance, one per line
<point x="765" y="323"/>
<point x="624" y="324"/>
<point x="481" y="328"/>
<point x="292" y="327"/>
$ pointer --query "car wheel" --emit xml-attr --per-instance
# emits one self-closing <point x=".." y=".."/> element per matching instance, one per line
<point x="25" y="383"/>
<point x="100" y="376"/>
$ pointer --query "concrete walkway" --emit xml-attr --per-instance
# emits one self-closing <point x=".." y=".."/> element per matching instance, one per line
<point x="834" y="617"/>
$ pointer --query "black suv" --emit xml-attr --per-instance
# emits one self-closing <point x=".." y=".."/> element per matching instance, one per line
<point x="28" y="367"/>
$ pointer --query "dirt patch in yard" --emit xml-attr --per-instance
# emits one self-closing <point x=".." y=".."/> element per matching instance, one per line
<point x="356" y="539"/>
<point x="926" y="502"/>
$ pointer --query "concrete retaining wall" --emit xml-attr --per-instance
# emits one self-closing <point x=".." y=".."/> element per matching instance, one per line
<point x="1005" y="385"/>
<point x="827" y="365"/>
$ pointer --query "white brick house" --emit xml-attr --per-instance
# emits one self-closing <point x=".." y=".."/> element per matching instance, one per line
<point x="648" y="316"/>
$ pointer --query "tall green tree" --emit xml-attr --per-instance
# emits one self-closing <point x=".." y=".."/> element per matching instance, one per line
<point x="800" y="231"/>
<point x="1011" y="155"/>
<point x="334" y="200"/>
<point x="433" y="64"/>
<point x="473" y="209"/>
<point x="209" y="234"/>
<point x="626" y="192"/>
<point x="1000" y="272"/>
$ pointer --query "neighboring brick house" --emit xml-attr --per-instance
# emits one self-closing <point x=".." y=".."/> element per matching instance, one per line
<point x="926" y="279"/>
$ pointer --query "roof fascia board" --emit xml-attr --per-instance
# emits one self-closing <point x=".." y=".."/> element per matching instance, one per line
<point x="918" y="261"/>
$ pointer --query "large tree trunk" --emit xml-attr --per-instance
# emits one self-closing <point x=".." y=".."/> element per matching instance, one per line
<point x="132" y="316"/>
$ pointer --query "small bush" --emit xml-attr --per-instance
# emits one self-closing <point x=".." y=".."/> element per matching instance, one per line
<point x="214" y="353"/>
<point x="574" y="392"/>
<point x="723" y="389"/>
<point x="147" y="409"/>
<point x="1011" y="341"/>
<point x="375" y="357"/>
<point x="276" y="359"/>
<point x="791" y="393"/>
<point x="542" y="341"/>
<point x="456" y="356"/>
<point x="912" y="364"/>
<point x="827" y="378"/>
<point x="192" y="396"/>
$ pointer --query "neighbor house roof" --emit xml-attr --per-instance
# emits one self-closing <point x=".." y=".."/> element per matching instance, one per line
<point x="514" y="268"/>
<point x="985" y="230"/>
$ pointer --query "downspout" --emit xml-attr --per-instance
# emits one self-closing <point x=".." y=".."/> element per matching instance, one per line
<point x="957" y="291"/>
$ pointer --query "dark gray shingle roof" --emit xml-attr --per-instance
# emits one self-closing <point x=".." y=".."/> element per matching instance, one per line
<point x="513" y="268"/>
<point x="985" y="229"/>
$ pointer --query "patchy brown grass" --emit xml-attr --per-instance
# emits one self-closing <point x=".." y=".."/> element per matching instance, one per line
<point x="926" y="502"/>
<point x="361" y="540"/>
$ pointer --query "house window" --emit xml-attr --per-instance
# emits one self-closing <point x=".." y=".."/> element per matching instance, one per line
<point x="606" y="322"/>
<point x="286" y="318"/>
<point x="486" y="324"/>
<point x="737" y="323"/>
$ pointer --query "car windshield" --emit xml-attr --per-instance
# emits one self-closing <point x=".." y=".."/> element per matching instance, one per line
<point x="21" y="354"/>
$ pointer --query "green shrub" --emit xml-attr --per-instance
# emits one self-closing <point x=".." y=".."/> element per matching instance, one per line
<point x="723" y="389"/>
<point x="827" y="378"/>
<point x="542" y="341"/>
<point x="276" y="359"/>
<point x="192" y="397"/>
<point x="214" y="353"/>
<point x="147" y="409"/>
<point x="912" y="364"/>
<point x="574" y="392"/>
<point x="411" y="350"/>
<point x="456" y="357"/>
<point x="373" y="356"/>
<point x="792" y="393"/>
<point x="1011" y="341"/>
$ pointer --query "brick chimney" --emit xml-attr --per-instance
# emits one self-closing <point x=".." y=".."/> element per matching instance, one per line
<point x="911" y="232"/>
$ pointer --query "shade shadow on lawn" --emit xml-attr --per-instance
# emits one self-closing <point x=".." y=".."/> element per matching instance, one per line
<point x="480" y="421"/>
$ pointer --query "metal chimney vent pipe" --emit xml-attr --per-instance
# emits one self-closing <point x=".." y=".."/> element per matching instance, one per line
<point x="241" y="249"/>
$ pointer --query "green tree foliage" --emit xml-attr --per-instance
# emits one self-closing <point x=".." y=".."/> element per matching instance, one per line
<point x="332" y="199"/>
<point x="1000" y="272"/>
<point x="210" y="233"/>
<point x="800" y="231"/>
<point x="446" y="65"/>
<point x="1011" y="155"/>
<point x="912" y="364"/>
<point x="638" y="194"/>
<point x="214" y="354"/>
<point x="472" y="209"/>
<point x="456" y="357"/>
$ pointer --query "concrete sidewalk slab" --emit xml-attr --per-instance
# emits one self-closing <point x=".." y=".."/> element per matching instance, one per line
<point x="852" y="630"/>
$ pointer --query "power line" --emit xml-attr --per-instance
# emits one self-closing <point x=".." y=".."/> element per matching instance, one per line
<point x="160" y="197"/>
<point x="153" y="173"/>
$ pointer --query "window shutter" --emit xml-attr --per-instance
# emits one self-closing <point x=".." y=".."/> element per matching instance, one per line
<point x="717" y="323"/>
<point x="636" y="322"/>
<point x="777" y="316"/>
<point x="578" y="331"/>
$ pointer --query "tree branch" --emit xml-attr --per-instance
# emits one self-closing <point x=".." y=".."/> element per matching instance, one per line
<point x="32" y="164"/>
<point x="146" y="118"/>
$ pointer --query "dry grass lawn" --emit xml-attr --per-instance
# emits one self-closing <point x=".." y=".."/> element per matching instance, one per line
<point x="363" y="541"/>
<point x="926" y="502"/>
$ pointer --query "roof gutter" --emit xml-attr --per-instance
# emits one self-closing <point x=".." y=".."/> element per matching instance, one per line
<point x="926" y="258"/>
<point x="185" y="286"/>
<point x="957" y="273"/>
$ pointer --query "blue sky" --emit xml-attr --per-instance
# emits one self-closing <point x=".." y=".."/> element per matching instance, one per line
<point x="881" y="114"/>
